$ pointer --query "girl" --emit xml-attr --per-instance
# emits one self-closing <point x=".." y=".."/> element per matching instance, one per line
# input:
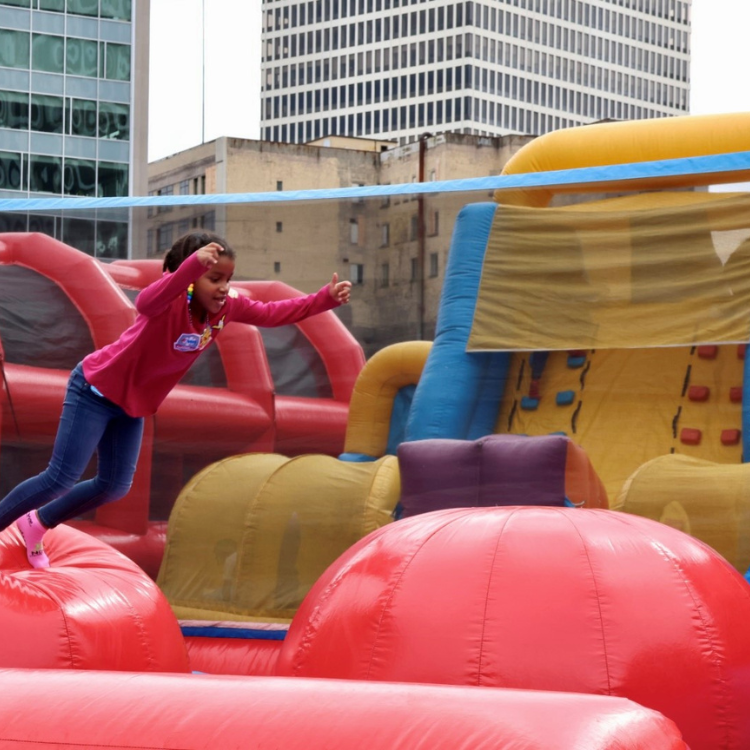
<point x="113" y="389"/>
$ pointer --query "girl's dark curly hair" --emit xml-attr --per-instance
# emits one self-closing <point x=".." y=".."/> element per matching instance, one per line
<point x="186" y="245"/>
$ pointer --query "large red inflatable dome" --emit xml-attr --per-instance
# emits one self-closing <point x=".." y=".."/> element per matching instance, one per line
<point x="588" y="601"/>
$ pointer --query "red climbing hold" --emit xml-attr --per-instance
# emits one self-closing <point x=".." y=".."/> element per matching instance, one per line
<point x="708" y="352"/>
<point x="730" y="437"/>
<point x="698" y="392"/>
<point x="690" y="436"/>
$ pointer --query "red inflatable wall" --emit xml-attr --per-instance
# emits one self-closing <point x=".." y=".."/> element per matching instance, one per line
<point x="55" y="709"/>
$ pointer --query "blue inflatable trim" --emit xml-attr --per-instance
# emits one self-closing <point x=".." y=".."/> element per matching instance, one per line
<point x="212" y="631"/>
<point x="357" y="458"/>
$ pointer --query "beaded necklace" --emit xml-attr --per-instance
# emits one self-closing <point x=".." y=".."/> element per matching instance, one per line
<point x="206" y="334"/>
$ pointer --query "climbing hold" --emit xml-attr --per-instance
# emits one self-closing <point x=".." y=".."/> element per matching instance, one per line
<point x="698" y="392"/>
<point x="708" y="351"/>
<point x="565" y="398"/>
<point x="730" y="437"/>
<point x="690" y="436"/>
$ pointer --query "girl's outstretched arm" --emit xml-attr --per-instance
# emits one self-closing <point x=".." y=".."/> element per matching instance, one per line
<point x="283" y="312"/>
<point x="156" y="297"/>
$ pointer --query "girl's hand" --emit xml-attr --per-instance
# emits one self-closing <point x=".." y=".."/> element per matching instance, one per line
<point x="339" y="290"/>
<point x="209" y="254"/>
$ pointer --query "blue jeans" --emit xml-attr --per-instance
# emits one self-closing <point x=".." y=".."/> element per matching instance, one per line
<point x="88" y="423"/>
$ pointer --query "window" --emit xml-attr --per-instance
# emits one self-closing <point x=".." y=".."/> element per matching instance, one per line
<point x="84" y="7"/>
<point x="413" y="227"/>
<point x="79" y="177"/>
<point x="433" y="265"/>
<point x="115" y="65"/>
<point x="279" y="185"/>
<point x="385" y="235"/>
<point x="435" y="229"/>
<point x="114" y="121"/>
<point x="14" y="49"/>
<point x="279" y="226"/>
<point x="80" y="57"/>
<point x="164" y="238"/>
<point x="112" y="180"/>
<point x="354" y="231"/>
<point x="414" y="269"/>
<point x="48" y="53"/>
<point x="14" y="110"/>
<point x="10" y="170"/>
<point x="385" y="272"/>
<point x="81" y="117"/>
<point x="45" y="174"/>
<point x="277" y="267"/>
<point x="47" y="113"/>
<point x="357" y="273"/>
<point x="118" y="10"/>
<point x="185" y="187"/>
<point x="167" y="190"/>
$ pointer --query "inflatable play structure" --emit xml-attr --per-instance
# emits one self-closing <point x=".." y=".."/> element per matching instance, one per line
<point x="533" y="533"/>
<point x="614" y="325"/>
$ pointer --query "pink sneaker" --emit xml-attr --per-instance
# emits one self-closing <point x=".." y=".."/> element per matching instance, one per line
<point x="33" y="530"/>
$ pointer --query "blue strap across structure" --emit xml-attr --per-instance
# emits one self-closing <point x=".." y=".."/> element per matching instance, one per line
<point x="564" y="178"/>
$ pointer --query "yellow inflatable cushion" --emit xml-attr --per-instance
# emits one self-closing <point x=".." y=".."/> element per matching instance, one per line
<point x="249" y="535"/>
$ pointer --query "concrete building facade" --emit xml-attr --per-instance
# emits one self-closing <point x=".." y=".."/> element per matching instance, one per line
<point x="73" y="113"/>
<point x="393" y="249"/>
<point x="400" y="68"/>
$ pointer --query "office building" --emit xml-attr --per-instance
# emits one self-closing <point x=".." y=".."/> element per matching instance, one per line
<point x="73" y="113"/>
<point x="400" y="68"/>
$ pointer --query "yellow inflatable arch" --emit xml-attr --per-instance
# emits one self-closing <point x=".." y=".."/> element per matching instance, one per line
<point x="605" y="144"/>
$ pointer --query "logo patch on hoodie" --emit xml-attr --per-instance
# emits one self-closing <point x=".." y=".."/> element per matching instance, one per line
<point x="188" y="342"/>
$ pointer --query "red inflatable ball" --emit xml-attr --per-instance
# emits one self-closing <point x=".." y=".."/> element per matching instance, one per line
<point x="54" y="709"/>
<point x="91" y="609"/>
<point x="573" y="600"/>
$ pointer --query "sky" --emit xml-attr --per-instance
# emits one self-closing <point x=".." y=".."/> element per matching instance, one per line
<point x="204" y="86"/>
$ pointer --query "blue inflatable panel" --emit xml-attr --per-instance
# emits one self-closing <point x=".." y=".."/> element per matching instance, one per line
<point x="459" y="393"/>
<point x="399" y="416"/>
